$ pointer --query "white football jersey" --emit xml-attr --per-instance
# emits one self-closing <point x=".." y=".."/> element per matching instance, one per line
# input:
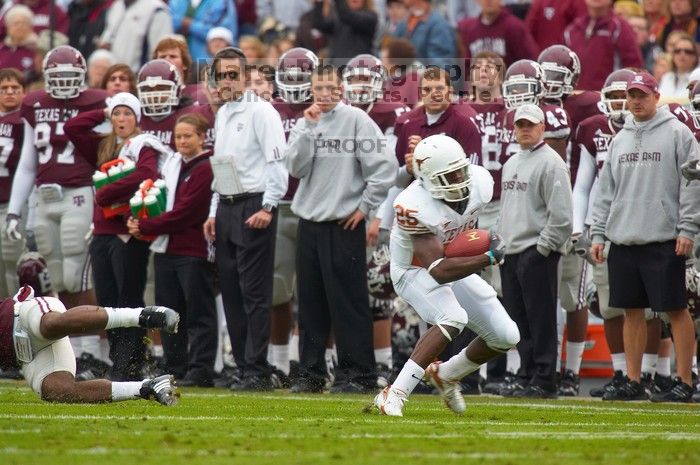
<point x="417" y="212"/>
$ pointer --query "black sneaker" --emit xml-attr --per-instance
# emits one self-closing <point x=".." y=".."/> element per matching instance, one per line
<point x="494" y="386"/>
<point x="88" y="367"/>
<point x="630" y="390"/>
<point x="511" y="389"/>
<point x="617" y="380"/>
<point x="229" y="376"/>
<point x="159" y="317"/>
<point x="160" y="389"/>
<point x="351" y="387"/>
<point x="535" y="392"/>
<point x="681" y="392"/>
<point x="11" y="373"/>
<point x="663" y="383"/>
<point x="306" y="385"/>
<point x="647" y="382"/>
<point x="569" y="384"/>
<point x="254" y="384"/>
<point x="279" y="379"/>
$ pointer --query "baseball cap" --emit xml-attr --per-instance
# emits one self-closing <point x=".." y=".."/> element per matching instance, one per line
<point x="125" y="99"/>
<point x="644" y="82"/>
<point x="530" y="112"/>
<point x="220" y="33"/>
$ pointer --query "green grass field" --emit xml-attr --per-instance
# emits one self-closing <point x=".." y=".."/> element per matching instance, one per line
<point x="214" y="426"/>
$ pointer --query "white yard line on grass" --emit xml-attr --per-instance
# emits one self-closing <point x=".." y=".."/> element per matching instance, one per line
<point x="577" y="435"/>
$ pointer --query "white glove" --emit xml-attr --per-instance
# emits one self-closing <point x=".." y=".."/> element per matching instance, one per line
<point x="11" y="225"/>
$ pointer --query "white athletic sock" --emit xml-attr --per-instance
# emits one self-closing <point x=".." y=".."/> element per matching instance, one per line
<point x="458" y="367"/>
<point x="408" y="379"/>
<point x="694" y="364"/>
<point x="512" y="361"/>
<point x="649" y="363"/>
<point x="561" y="324"/>
<point x="122" y="317"/>
<point x="619" y="362"/>
<point x="294" y="348"/>
<point x="127" y="390"/>
<point x="574" y="354"/>
<point x="663" y="366"/>
<point x="278" y="356"/>
<point x="383" y="356"/>
<point x="483" y="371"/>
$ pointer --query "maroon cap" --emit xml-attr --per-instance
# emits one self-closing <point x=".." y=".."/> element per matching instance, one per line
<point x="644" y="82"/>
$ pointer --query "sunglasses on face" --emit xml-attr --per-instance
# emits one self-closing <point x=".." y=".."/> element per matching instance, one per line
<point x="230" y="75"/>
<point x="687" y="51"/>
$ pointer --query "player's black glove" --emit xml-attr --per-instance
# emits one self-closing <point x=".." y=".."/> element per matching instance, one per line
<point x="690" y="170"/>
<point x="497" y="249"/>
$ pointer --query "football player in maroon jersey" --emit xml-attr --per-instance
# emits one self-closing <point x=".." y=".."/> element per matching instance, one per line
<point x="11" y="137"/>
<point x="293" y="82"/>
<point x="363" y="86"/>
<point x="63" y="178"/>
<point x="160" y="87"/>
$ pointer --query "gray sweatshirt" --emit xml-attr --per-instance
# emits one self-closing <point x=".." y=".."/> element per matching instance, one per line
<point x="343" y="164"/>
<point x="536" y="205"/>
<point x="642" y="196"/>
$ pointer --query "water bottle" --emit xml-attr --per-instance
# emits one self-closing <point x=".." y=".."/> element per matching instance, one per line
<point x="152" y="206"/>
<point x="136" y="205"/>
<point x="100" y="179"/>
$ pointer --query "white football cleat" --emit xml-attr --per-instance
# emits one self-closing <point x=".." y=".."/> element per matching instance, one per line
<point x="449" y="390"/>
<point x="388" y="402"/>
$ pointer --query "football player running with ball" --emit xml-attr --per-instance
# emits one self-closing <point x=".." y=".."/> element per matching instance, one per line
<point x="446" y="292"/>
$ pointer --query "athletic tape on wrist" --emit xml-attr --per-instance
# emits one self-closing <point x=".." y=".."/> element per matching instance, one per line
<point x="435" y="263"/>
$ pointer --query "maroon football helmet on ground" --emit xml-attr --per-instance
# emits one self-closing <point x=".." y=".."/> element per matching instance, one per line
<point x="33" y="271"/>
<point x="523" y="84"/>
<point x="293" y="74"/>
<point x="562" y="69"/>
<point x="374" y="74"/>
<point x="64" y="72"/>
<point x="159" y="86"/>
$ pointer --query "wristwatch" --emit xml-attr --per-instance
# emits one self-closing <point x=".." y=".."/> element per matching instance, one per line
<point x="268" y="207"/>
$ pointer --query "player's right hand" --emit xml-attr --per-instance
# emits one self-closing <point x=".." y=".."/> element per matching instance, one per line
<point x="313" y="113"/>
<point x="210" y="229"/>
<point x="11" y="227"/>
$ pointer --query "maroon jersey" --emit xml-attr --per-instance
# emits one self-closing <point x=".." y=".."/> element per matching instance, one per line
<point x="487" y="117"/>
<point x="164" y="128"/>
<point x="7" y="320"/>
<point x="291" y="114"/>
<point x="680" y="112"/>
<point x="403" y="89"/>
<point x="384" y="114"/>
<point x="582" y="105"/>
<point x="21" y="58"/>
<point x="57" y="161"/>
<point x="547" y="19"/>
<point x="196" y="93"/>
<point x="11" y="138"/>
<point x="556" y="126"/>
<point x="506" y="35"/>
<point x="593" y="138"/>
<point x="451" y="123"/>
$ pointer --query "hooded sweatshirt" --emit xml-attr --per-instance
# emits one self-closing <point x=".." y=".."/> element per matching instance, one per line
<point x="642" y="197"/>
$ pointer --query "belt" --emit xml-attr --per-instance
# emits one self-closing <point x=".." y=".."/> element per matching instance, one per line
<point x="232" y="199"/>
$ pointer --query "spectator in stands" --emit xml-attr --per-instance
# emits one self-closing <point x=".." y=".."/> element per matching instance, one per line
<point x="247" y="16"/>
<point x="119" y="266"/>
<point x="18" y="49"/>
<point x="460" y="9"/>
<point x="429" y="32"/>
<point x="184" y="277"/>
<point x="134" y="29"/>
<point x="252" y="48"/>
<point x="547" y="19"/>
<point x="496" y="29"/>
<point x="174" y="50"/>
<point x="88" y="19"/>
<point x="396" y="13"/>
<point x="662" y="65"/>
<point x="403" y="69"/>
<point x="682" y="16"/>
<point x="218" y="38"/>
<point x="602" y="41"/>
<point x="119" y="78"/>
<point x="287" y="12"/>
<point x="647" y="47"/>
<point x="340" y="142"/>
<point x="655" y="11"/>
<point x="194" y="18"/>
<point x="98" y="64"/>
<point x="41" y="20"/>
<point x="627" y="8"/>
<point x="307" y="36"/>
<point x="674" y="83"/>
<point x="277" y="49"/>
<point x="350" y="26"/>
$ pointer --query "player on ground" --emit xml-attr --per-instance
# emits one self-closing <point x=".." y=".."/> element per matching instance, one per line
<point x="446" y="292"/>
<point x="363" y="86"/>
<point x="11" y="138"/>
<point x="293" y="80"/>
<point x="34" y="330"/>
<point x="62" y="177"/>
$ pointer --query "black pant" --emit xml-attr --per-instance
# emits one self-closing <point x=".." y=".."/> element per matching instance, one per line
<point x="119" y="272"/>
<point x="245" y="260"/>
<point x="332" y="291"/>
<point x="186" y="284"/>
<point x="529" y="282"/>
